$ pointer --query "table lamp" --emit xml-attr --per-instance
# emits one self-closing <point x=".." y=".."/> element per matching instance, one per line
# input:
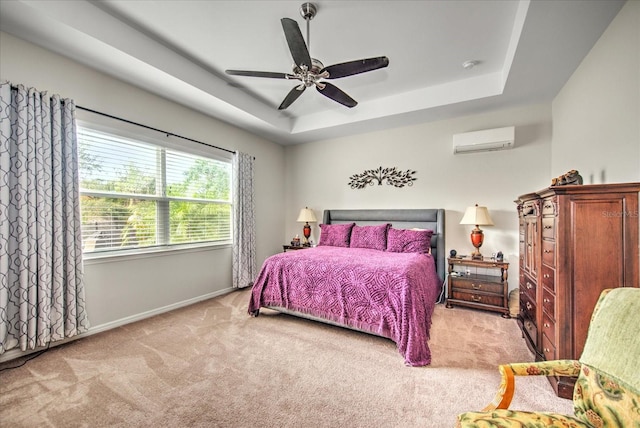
<point x="478" y="216"/>
<point x="306" y="216"/>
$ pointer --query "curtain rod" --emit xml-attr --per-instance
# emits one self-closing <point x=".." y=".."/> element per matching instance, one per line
<point x="168" y="134"/>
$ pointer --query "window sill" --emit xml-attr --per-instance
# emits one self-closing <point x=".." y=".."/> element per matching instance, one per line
<point x="107" y="257"/>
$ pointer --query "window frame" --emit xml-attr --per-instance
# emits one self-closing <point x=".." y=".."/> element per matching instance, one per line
<point x="165" y="142"/>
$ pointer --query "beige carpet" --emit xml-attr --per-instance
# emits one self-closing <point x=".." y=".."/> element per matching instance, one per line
<point x="211" y="365"/>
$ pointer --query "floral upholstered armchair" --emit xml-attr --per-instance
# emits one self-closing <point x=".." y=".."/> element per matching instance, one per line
<point x="607" y="392"/>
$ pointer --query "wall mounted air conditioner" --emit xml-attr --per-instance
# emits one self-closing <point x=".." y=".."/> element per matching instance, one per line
<point x="484" y="141"/>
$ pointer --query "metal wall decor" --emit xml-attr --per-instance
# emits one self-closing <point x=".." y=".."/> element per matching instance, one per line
<point x="392" y="176"/>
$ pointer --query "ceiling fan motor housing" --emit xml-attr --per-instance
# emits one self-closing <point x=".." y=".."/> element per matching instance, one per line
<point x="308" y="10"/>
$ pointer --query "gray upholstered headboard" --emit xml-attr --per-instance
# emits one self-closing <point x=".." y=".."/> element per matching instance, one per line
<point x="400" y="219"/>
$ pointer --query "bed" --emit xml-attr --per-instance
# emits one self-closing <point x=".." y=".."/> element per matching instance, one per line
<point x="349" y="280"/>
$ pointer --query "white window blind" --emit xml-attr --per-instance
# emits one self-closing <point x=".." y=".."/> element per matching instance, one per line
<point x="136" y="195"/>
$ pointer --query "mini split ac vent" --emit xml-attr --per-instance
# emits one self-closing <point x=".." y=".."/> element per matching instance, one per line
<point x="484" y="141"/>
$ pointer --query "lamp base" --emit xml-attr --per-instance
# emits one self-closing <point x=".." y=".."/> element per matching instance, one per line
<point x="306" y="232"/>
<point x="477" y="237"/>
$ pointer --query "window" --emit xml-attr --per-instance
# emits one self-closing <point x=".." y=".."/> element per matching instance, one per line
<point x="135" y="195"/>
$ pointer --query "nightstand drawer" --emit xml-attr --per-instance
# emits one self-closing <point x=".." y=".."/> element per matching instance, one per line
<point x="485" y="299"/>
<point x="483" y="287"/>
<point x="470" y="285"/>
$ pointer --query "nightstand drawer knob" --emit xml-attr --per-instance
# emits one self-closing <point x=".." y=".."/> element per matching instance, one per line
<point x="476" y="286"/>
<point x="476" y="298"/>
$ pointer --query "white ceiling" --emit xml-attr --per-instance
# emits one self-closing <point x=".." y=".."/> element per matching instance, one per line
<point x="179" y="49"/>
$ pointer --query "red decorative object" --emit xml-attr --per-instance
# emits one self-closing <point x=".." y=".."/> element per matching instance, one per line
<point x="477" y="237"/>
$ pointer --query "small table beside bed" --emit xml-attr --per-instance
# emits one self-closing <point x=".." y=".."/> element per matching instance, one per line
<point x="375" y="271"/>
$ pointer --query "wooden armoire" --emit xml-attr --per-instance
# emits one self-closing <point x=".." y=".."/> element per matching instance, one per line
<point x="575" y="241"/>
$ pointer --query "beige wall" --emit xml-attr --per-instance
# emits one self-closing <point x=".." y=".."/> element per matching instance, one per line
<point x="318" y="173"/>
<point x="122" y="289"/>
<point x="596" y="116"/>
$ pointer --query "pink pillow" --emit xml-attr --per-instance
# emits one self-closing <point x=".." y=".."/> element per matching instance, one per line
<point x="335" y="235"/>
<point x="409" y="241"/>
<point x="373" y="237"/>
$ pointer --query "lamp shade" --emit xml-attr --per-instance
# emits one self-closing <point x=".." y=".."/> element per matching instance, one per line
<point x="307" y="215"/>
<point x="477" y="215"/>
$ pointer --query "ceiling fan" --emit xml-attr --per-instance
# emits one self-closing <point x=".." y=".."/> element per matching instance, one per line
<point x="310" y="71"/>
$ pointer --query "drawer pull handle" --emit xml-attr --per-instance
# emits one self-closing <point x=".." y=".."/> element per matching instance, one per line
<point x="529" y="306"/>
<point x="546" y="325"/>
<point x="546" y="275"/>
<point x="476" y="298"/>
<point x="476" y="286"/>
<point x="546" y="350"/>
<point x="545" y="300"/>
<point x="529" y="286"/>
<point x="547" y="226"/>
<point x="547" y="206"/>
<point x="547" y="251"/>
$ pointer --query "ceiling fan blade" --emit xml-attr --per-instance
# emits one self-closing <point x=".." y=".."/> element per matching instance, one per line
<point x="297" y="46"/>
<point x="355" y="67"/>
<point x="337" y="95"/>
<point x="292" y="96"/>
<point x="269" y="74"/>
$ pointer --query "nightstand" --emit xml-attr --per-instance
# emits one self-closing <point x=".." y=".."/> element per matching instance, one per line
<point x="294" y="247"/>
<point x="479" y="284"/>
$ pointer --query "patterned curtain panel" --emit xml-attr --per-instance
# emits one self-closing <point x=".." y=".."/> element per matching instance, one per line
<point x="244" y="227"/>
<point x="41" y="286"/>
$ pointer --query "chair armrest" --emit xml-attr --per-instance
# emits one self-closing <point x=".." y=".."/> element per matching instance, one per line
<point x="541" y="368"/>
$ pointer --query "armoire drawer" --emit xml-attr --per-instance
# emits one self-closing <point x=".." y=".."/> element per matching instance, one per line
<point x="548" y="348"/>
<point x="549" y="207"/>
<point x="548" y="253"/>
<point x="549" y="303"/>
<point x="528" y="287"/>
<point x="549" y="327"/>
<point x="549" y="277"/>
<point x="549" y="227"/>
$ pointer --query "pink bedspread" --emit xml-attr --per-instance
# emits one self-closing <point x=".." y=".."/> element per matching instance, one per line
<point x="388" y="294"/>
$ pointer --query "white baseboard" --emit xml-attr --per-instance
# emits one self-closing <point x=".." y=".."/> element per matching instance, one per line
<point x="17" y="353"/>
